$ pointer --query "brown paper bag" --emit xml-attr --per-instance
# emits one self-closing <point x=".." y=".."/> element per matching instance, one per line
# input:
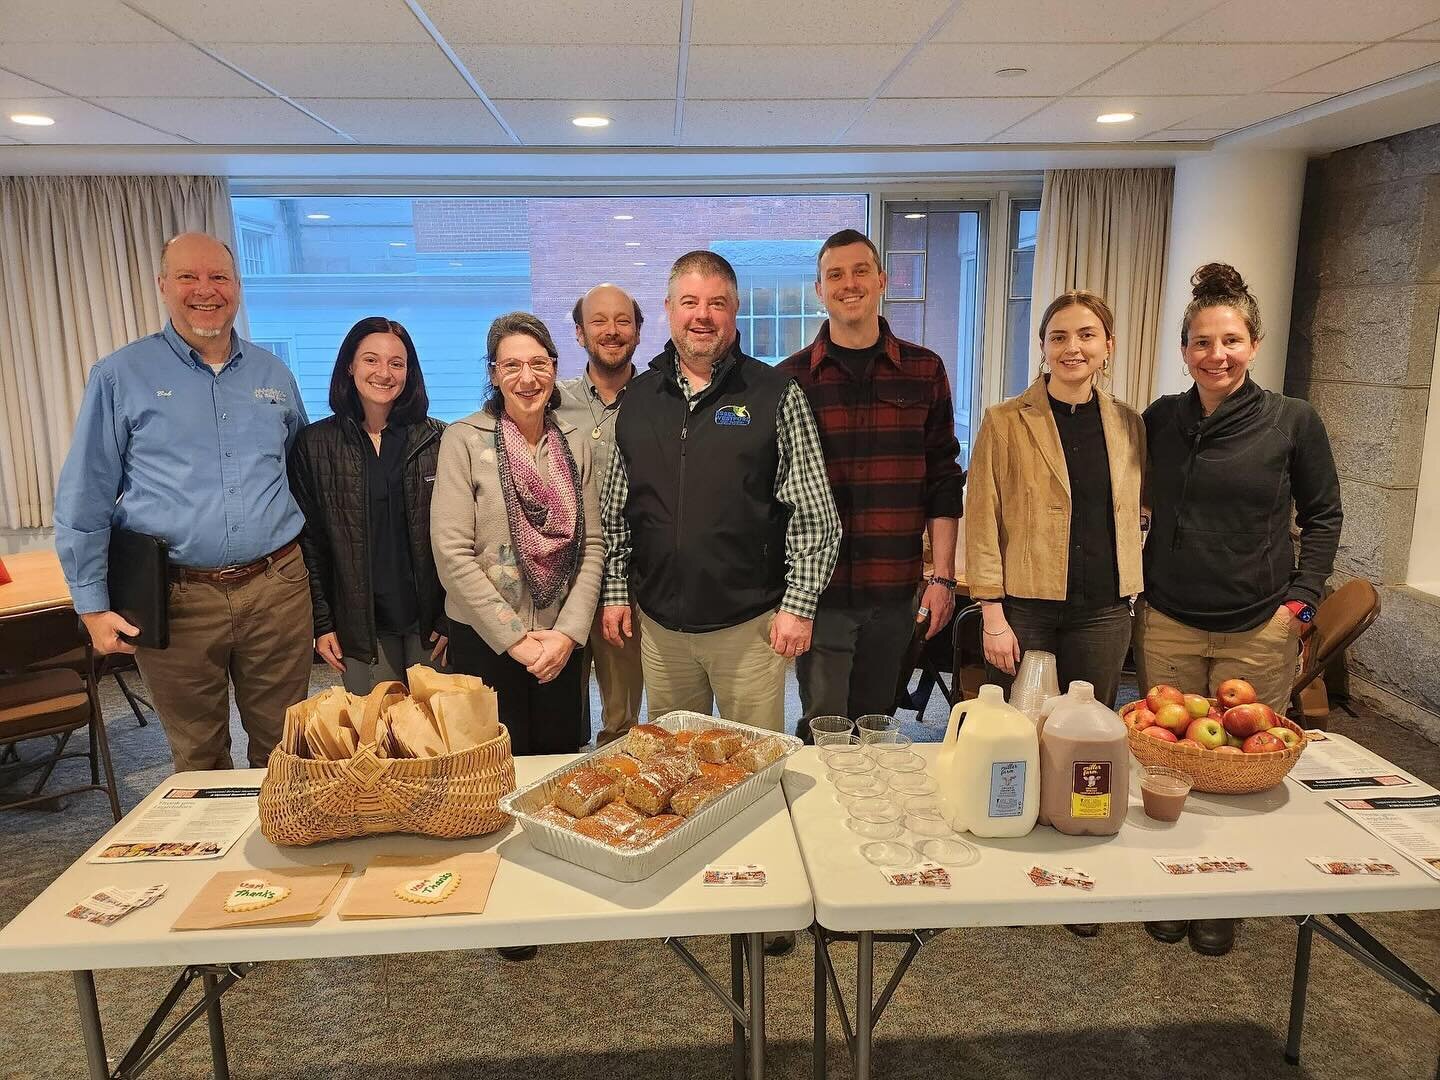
<point x="413" y="730"/>
<point x="374" y="895"/>
<point x="467" y="717"/>
<point x="426" y="682"/>
<point x="312" y="893"/>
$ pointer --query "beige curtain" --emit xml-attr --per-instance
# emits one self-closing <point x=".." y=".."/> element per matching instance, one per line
<point x="77" y="281"/>
<point x="1106" y="230"/>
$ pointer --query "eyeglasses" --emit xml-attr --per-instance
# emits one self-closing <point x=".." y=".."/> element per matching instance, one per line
<point x="538" y="365"/>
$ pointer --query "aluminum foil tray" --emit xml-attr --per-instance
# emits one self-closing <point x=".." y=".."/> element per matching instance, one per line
<point x="638" y="863"/>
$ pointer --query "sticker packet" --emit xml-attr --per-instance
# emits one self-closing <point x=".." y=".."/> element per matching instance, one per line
<point x="1041" y="876"/>
<point x="927" y="875"/>
<point x="1368" y="865"/>
<point x="750" y="875"/>
<point x="107" y="906"/>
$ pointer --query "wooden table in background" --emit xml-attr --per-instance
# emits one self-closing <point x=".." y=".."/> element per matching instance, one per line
<point x="37" y="583"/>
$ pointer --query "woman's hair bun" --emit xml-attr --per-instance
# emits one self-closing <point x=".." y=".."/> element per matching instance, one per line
<point x="1215" y="280"/>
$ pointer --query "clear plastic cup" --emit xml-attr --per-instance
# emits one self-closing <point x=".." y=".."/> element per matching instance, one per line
<point x="834" y="745"/>
<point x="1163" y="791"/>
<point x="875" y="819"/>
<point x="913" y="802"/>
<point x="851" y="787"/>
<point x="900" y="761"/>
<point x="927" y="820"/>
<point x="912" y="783"/>
<point x="830" y="725"/>
<point x="868" y="727"/>
<point x="949" y="851"/>
<point x="850" y="765"/>
<point x="883" y="741"/>
<point x="889" y="853"/>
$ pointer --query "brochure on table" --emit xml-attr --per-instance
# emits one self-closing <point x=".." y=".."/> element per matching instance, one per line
<point x="183" y="825"/>
<point x="1332" y="765"/>
<point x="1409" y="824"/>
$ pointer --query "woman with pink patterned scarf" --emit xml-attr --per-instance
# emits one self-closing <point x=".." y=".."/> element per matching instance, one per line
<point x="515" y="526"/>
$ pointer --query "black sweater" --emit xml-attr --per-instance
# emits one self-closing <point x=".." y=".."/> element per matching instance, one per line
<point x="1221" y="490"/>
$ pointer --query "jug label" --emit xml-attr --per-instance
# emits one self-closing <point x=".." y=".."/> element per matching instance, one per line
<point x="1007" y="789"/>
<point x="1090" y="790"/>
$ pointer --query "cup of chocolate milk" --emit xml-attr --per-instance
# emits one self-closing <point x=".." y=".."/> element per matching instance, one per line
<point x="1164" y="791"/>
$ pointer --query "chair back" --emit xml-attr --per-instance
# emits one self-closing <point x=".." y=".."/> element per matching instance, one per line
<point x="29" y="638"/>
<point x="1341" y="618"/>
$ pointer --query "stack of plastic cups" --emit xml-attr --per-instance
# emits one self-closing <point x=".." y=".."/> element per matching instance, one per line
<point x="1036" y="681"/>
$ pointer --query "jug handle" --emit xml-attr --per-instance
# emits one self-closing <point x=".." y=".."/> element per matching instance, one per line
<point x="952" y="730"/>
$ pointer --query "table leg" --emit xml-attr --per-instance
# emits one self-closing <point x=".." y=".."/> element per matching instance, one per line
<point x="822" y="1008"/>
<point x="1298" y="985"/>
<point x="99" y="1068"/>
<point x="864" y="1001"/>
<point x="737" y="991"/>
<point x="220" y="1061"/>
<point x="755" y="949"/>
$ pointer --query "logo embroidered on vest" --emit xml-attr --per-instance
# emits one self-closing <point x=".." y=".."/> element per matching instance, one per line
<point x="732" y="416"/>
<point x="270" y="394"/>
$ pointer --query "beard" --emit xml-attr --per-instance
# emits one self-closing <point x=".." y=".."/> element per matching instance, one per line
<point x="696" y="358"/>
<point x="611" y="365"/>
<point x="207" y="332"/>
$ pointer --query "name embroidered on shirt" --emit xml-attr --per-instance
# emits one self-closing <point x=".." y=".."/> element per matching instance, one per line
<point x="164" y="393"/>
<point x="732" y="416"/>
<point x="270" y="394"/>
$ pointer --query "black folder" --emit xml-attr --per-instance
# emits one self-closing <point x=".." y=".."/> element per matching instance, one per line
<point x="140" y="585"/>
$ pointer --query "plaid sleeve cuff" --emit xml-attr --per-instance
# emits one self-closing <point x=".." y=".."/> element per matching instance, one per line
<point x="615" y="593"/>
<point x="800" y="602"/>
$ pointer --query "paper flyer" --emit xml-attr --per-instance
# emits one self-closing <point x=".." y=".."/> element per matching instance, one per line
<point x="1409" y="824"/>
<point x="183" y="825"/>
<point x="1332" y="765"/>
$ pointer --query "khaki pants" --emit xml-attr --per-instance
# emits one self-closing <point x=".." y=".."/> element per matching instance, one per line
<point x="256" y="634"/>
<point x="1198" y="661"/>
<point x="734" y="667"/>
<point x="621" y="678"/>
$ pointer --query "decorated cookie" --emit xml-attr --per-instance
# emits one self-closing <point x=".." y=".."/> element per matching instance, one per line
<point x="429" y="890"/>
<point x="255" y="893"/>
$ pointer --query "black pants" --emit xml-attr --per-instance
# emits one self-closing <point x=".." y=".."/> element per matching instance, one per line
<point x="853" y="666"/>
<point x="542" y="718"/>
<point x="1088" y="643"/>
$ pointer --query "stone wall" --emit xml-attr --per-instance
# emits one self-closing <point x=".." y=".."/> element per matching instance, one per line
<point x="1362" y="345"/>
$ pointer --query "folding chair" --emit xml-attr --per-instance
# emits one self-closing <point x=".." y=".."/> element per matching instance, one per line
<point x="1341" y="618"/>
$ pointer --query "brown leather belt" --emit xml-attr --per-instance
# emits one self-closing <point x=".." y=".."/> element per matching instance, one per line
<point x="231" y="575"/>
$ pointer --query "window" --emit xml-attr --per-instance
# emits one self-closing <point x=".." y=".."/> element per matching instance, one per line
<point x="278" y="347"/>
<point x="446" y="267"/>
<point x="255" y="252"/>
<point x="935" y="272"/>
<point x="1020" y="364"/>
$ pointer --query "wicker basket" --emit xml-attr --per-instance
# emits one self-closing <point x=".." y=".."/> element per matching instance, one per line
<point x="1221" y="774"/>
<point x="303" y="801"/>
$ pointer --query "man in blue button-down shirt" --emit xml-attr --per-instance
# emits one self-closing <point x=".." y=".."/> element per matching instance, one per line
<point x="184" y="435"/>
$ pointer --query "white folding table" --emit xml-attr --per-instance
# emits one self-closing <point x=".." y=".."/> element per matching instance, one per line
<point x="536" y="899"/>
<point x="854" y="902"/>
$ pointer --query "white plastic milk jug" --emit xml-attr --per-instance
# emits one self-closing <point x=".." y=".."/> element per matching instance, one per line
<point x="989" y="768"/>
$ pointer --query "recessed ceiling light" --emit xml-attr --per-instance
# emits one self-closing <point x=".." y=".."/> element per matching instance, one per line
<point x="637" y="264"/>
<point x="632" y="243"/>
<point x="624" y="217"/>
<point x="317" y="217"/>
<point x="32" y="119"/>
<point x="591" y="121"/>
<point x="457" y="264"/>
<point x="914" y="217"/>
<point x="1115" y="118"/>
<point x="1012" y="73"/>
<point x="397" y="243"/>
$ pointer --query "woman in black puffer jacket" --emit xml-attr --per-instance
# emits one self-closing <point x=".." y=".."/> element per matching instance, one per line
<point x="363" y="478"/>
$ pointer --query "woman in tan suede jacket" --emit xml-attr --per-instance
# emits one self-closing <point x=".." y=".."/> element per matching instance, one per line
<point x="1052" y="509"/>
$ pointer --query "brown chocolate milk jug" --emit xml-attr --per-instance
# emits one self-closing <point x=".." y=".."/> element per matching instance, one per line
<point x="1084" y="765"/>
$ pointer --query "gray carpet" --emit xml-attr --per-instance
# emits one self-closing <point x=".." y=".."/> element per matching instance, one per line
<point x="1014" y="1003"/>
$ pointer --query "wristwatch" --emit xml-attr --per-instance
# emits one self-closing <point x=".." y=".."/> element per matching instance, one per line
<point x="1301" y="609"/>
<point x="948" y="582"/>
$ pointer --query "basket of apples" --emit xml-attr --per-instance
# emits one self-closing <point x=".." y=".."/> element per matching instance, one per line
<point x="1230" y="744"/>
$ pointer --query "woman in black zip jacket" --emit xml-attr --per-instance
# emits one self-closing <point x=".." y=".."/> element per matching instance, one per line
<point x="363" y="478"/>
<point x="1229" y="465"/>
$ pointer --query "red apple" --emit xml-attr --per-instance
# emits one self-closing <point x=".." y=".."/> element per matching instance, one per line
<point x="1174" y="718"/>
<point x="1243" y="721"/>
<point x="1163" y="695"/>
<point x="1263" y="742"/>
<point x="1127" y="709"/>
<point x="1161" y="733"/>
<point x="1215" y="709"/>
<point x="1234" y="692"/>
<point x="1228" y="750"/>
<point x="1190" y="743"/>
<point x="1207" y="732"/>
<point x="1140" y="719"/>
<point x="1285" y="735"/>
<point x="1198" y="706"/>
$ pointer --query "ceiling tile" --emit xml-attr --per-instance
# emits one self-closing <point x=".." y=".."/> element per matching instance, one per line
<point x="411" y="122"/>
<point x="812" y="22"/>
<point x="547" y="123"/>
<point x="600" y="22"/>
<point x="1211" y="69"/>
<point x="1245" y="111"/>
<point x="1306" y="20"/>
<point x="941" y="121"/>
<point x="1067" y="21"/>
<point x="61" y="21"/>
<point x="1372" y="65"/>
<point x="1428" y="32"/>
<point x="288" y="22"/>
<point x="622" y="72"/>
<point x="79" y="122"/>
<point x="1184" y="135"/>
<point x="375" y="71"/>
<point x="1073" y="119"/>
<point x="226" y="121"/>
<point x="137" y="70"/>
<point x="764" y="72"/>
<point x="15" y="86"/>
<point x="767" y="123"/>
<point x="969" y="70"/>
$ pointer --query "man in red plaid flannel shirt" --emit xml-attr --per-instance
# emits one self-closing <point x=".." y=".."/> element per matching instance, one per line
<point x="887" y="425"/>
